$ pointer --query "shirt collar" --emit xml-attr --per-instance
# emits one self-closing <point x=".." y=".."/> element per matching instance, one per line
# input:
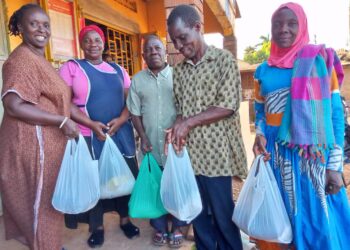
<point x="164" y="72"/>
<point x="209" y="55"/>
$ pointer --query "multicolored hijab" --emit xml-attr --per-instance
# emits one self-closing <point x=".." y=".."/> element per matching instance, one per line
<point x="285" y="57"/>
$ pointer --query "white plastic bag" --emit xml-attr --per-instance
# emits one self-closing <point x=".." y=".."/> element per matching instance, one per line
<point x="178" y="189"/>
<point x="116" y="178"/>
<point x="77" y="188"/>
<point x="260" y="211"/>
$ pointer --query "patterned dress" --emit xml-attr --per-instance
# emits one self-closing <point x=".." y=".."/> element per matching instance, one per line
<point x="30" y="155"/>
<point x="319" y="221"/>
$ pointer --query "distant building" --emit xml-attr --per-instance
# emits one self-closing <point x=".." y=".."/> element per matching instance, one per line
<point x="247" y="75"/>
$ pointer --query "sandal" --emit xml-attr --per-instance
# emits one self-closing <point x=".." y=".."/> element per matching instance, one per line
<point x="130" y="230"/>
<point x="176" y="239"/>
<point x="96" y="238"/>
<point x="159" y="239"/>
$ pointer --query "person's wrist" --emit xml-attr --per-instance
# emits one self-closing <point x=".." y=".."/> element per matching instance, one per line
<point x="143" y="137"/>
<point x="64" y="121"/>
<point x="191" y="122"/>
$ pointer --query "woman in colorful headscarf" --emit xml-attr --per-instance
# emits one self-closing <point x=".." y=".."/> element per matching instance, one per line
<point x="99" y="90"/>
<point x="300" y="130"/>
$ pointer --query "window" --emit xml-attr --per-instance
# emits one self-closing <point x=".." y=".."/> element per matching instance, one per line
<point x="120" y="48"/>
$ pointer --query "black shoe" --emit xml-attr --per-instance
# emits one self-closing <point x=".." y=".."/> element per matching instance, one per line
<point x="130" y="230"/>
<point x="96" y="239"/>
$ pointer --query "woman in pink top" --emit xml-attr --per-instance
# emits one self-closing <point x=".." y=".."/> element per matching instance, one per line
<point x="99" y="90"/>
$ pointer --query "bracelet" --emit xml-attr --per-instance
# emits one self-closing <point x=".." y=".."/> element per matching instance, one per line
<point x="63" y="122"/>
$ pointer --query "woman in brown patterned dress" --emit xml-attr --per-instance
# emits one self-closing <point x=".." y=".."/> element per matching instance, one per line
<point x="33" y="134"/>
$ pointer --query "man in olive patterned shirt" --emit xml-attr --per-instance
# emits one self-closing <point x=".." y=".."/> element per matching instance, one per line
<point x="207" y="91"/>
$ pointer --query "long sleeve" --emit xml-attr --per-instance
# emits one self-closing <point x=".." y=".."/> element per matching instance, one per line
<point x="259" y="105"/>
<point x="335" y="158"/>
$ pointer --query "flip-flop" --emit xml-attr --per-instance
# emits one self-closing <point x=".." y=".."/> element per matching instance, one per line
<point x="175" y="240"/>
<point x="159" y="239"/>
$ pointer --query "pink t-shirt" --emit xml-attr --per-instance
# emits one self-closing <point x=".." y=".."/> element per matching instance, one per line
<point x="75" y="78"/>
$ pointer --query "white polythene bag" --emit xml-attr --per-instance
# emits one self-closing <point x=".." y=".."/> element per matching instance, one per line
<point x="260" y="211"/>
<point x="77" y="188"/>
<point x="116" y="178"/>
<point x="178" y="188"/>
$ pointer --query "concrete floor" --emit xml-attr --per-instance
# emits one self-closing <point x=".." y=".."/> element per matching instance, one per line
<point x="114" y="238"/>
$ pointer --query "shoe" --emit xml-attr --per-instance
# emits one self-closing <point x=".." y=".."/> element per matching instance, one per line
<point x="96" y="239"/>
<point x="130" y="230"/>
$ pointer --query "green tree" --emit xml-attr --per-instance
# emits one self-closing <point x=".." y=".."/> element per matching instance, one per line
<point x="259" y="53"/>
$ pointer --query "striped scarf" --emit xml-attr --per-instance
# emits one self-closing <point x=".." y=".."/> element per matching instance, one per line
<point x="307" y="121"/>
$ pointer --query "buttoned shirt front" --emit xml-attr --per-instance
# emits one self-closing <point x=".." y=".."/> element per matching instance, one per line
<point x="216" y="149"/>
<point x="151" y="97"/>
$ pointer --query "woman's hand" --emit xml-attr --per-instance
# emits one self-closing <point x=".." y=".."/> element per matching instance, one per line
<point x="259" y="147"/>
<point x="114" y="125"/>
<point x="334" y="181"/>
<point x="98" y="128"/>
<point x="70" y="129"/>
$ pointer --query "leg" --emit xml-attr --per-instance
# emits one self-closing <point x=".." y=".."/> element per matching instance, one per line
<point x="221" y="203"/>
<point x="122" y="206"/>
<point x="161" y="230"/>
<point x="176" y="236"/>
<point x="95" y="219"/>
<point x="204" y="234"/>
<point x="160" y="224"/>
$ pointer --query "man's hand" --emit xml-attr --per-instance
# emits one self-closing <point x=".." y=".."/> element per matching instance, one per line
<point x="334" y="181"/>
<point x="146" y="146"/>
<point x="179" y="134"/>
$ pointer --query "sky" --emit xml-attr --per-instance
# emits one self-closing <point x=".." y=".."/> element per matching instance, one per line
<point x="327" y="19"/>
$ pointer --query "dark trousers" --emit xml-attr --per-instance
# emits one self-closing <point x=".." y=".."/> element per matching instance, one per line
<point x="214" y="228"/>
<point x="161" y="224"/>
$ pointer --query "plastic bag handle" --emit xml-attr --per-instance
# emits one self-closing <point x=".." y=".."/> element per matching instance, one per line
<point x="149" y="164"/>
<point x="259" y="157"/>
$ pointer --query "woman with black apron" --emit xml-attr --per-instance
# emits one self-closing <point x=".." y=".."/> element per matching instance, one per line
<point x="99" y="90"/>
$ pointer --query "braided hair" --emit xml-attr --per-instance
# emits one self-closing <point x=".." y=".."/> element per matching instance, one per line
<point x="17" y="16"/>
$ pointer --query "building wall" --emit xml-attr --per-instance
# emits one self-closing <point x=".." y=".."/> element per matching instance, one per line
<point x="12" y="6"/>
<point x="211" y="23"/>
<point x="116" y="15"/>
<point x="156" y="17"/>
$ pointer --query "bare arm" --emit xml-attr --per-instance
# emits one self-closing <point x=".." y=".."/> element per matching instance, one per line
<point x="146" y="146"/>
<point x="30" y="113"/>
<point x="83" y="119"/>
<point x="182" y="127"/>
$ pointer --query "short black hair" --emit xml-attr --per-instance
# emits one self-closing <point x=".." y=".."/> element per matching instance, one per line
<point x="17" y="16"/>
<point x="187" y="13"/>
<point x="150" y="37"/>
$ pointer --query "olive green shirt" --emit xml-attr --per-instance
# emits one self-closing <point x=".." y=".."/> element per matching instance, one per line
<point x="151" y="97"/>
<point x="216" y="149"/>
